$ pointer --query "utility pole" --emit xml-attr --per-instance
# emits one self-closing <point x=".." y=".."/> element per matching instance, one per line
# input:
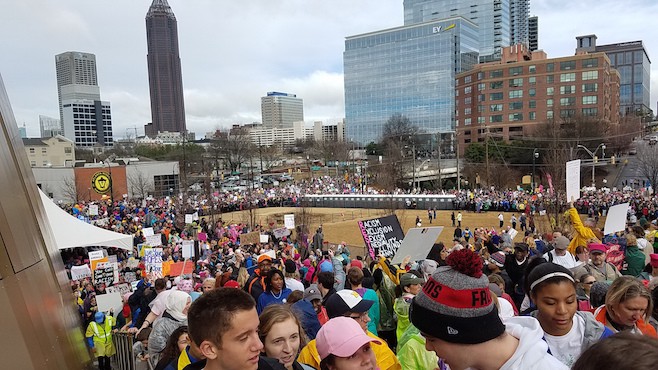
<point x="459" y="182"/>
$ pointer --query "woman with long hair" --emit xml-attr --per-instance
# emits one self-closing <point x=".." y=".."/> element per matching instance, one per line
<point x="282" y="335"/>
<point x="628" y="305"/>
<point x="177" y="342"/>
<point x="275" y="290"/>
<point x="567" y="331"/>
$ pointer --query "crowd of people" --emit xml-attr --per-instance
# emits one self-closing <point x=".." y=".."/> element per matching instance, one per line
<point x="564" y="298"/>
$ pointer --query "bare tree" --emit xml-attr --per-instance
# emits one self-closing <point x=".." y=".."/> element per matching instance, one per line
<point x="70" y="190"/>
<point x="233" y="149"/>
<point x="647" y="163"/>
<point x="140" y="184"/>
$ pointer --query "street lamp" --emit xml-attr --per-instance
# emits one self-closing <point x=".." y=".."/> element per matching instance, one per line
<point x="593" y="155"/>
<point x="535" y="155"/>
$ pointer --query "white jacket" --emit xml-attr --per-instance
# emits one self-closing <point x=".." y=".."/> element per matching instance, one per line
<point x="532" y="352"/>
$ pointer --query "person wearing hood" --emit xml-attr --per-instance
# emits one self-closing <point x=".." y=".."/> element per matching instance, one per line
<point x="256" y="283"/>
<point x="459" y="320"/>
<point x="99" y="338"/>
<point x="175" y="315"/>
<point x="568" y="332"/>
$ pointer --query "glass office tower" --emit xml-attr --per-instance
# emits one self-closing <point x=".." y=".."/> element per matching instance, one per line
<point x="408" y="70"/>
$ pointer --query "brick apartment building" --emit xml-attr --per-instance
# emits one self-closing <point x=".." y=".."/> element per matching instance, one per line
<point x="510" y="98"/>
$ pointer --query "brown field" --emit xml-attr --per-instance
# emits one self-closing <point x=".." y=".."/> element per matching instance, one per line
<point x="340" y="224"/>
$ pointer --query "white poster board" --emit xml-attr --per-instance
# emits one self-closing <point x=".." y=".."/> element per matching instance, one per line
<point x="289" y="221"/>
<point x="188" y="249"/>
<point x="280" y="232"/>
<point x="154" y="240"/>
<point x="264" y="238"/>
<point x="616" y="219"/>
<point x="80" y="272"/>
<point x="573" y="180"/>
<point x="109" y="301"/>
<point x="119" y="288"/>
<point x="93" y="210"/>
<point x="417" y="243"/>
<point x="148" y="232"/>
<point x="189" y="218"/>
<point x="95" y="255"/>
<point x="512" y="233"/>
<point x="153" y="260"/>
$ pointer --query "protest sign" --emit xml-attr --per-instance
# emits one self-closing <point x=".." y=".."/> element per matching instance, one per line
<point x="112" y="258"/>
<point x="280" y="232"/>
<point x="250" y="238"/>
<point x="93" y="210"/>
<point x="202" y="237"/>
<point x="264" y="238"/>
<point x="573" y="180"/>
<point x="616" y="219"/>
<point x="154" y="240"/>
<point x="189" y="218"/>
<point x="289" y="221"/>
<point x="106" y="273"/>
<point x="94" y="263"/>
<point x="153" y="260"/>
<point x="417" y="243"/>
<point x="181" y="268"/>
<point x="95" y="255"/>
<point x="148" y="231"/>
<point x="119" y="288"/>
<point x="512" y="233"/>
<point x="188" y="249"/>
<point x="109" y="301"/>
<point x="382" y="235"/>
<point x="129" y="277"/>
<point x="80" y="272"/>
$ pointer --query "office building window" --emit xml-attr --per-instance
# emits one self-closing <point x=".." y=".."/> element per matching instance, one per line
<point x="467" y="111"/>
<point x="550" y="79"/>
<point x="480" y="108"/>
<point x="549" y="103"/>
<point x="467" y="89"/>
<point x="532" y="116"/>
<point x="565" y="102"/>
<point x="467" y="79"/>
<point x="515" y="94"/>
<point x="590" y="112"/>
<point x="532" y="104"/>
<point x="482" y="98"/>
<point x="549" y="114"/>
<point x="495" y="107"/>
<point x="496" y="85"/>
<point x="550" y="67"/>
<point x="532" y="80"/>
<point x="590" y="63"/>
<point x="514" y="71"/>
<point x="567" y="89"/>
<point x="480" y="75"/>
<point x="467" y="100"/>
<point x="482" y="120"/>
<point x="567" y="77"/>
<point x="467" y="122"/>
<point x="550" y="90"/>
<point x="567" y="113"/>
<point x="496" y="74"/>
<point x="567" y="66"/>
<point x="532" y="92"/>
<point x="481" y="86"/>
<point x="590" y="100"/>
<point x="516" y="82"/>
<point x="496" y="96"/>
<point x="515" y="117"/>
<point x="590" y="75"/>
<point x="590" y="87"/>
<point x="33" y="151"/>
<point x="516" y="105"/>
<point x="532" y="69"/>
<point x="495" y="119"/>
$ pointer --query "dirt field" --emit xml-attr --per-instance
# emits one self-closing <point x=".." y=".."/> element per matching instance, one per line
<point x="340" y="224"/>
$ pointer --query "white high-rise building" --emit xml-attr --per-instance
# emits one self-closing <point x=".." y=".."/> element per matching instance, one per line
<point x="88" y="123"/>
<point x="281" y="110"/>
<point x="50" y="127"/>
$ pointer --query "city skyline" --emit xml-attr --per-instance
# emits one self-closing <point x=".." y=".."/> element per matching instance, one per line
<point x="261" y="46"/>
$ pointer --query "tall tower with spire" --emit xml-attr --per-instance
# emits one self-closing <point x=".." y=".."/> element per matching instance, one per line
<point x="164" y="68"/>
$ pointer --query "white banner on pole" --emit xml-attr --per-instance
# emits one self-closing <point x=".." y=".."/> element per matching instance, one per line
<point x="573" y="180"/>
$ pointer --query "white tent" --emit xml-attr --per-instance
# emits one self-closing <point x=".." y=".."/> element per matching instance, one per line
<point x="71" y="233"/>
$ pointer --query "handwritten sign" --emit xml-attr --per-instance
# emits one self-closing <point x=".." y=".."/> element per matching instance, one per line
<point x="280" y="232"/>
<point x="289" y="221"/>
<point x="188" y="249"/>
<point x="189" y="218"/>
<point x="264" y="238"/>
<point x="153" y="260"/>
<point x="573" y="180"/>
<point x="106" y="273"/>
<point x="95" y="255"/>
<point x="119" y="288"/>
<point x="250" y="238"/>
<point x="80" y="272"/>
<point x="129" y="276"/>
<point x="181" y="268"/>
<point x="148" y="231"/>
<point x="154" y="240"/>
<point x="382" y="235"/>
<point x="93" y="210"/>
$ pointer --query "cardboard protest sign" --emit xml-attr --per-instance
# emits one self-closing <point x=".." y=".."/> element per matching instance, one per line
<point x="280" y="232"/>
<point x="154" y="240"/>
<point x="109" y="301"/>
<point x="616" y="219"/>
<point x="573" y="180"/>
<point x="417" y="243"/>
<point x="188" y="249"/>
<point x="153" y="260"/>
<point x="181" y="268"/>
<point x="250" y="238"/>
<point x="289" y="221"/>
<point x="80" y="272"/>
<point x="106" y="273"/>
<point x="119" y="288"/>
<point x="382" y="235"/>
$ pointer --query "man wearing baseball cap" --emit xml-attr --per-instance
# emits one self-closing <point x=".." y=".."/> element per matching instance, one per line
<point x="256" y="283"/>
<point x="459" y="320"/>
<point x="598" y="266"/>
<point x="410" y="284"/>
<point x="348" y="303"/>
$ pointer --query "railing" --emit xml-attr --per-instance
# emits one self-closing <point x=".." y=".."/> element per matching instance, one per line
<point x="124" y="358"/>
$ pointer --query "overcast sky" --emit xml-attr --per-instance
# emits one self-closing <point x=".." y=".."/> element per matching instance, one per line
<point x="234" y="51"/>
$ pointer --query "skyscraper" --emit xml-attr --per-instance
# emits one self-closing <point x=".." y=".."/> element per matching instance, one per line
<point x="408" y="70"/>
<point x="634" y="66"/>
<point x="533" y="33"/>
<point x="281" y="110"/>
<point x="76" y="78"/>
<point x="50" y="126"/>
<point x="501" y="22"/>
<point x="84" y="118"/>
<point x="164" y="68"/>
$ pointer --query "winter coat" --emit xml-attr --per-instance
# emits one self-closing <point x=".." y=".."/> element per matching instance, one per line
<point x="162" y="329"/>
<point x="532" y="351"/>
<point x="633" y="262"/>
<point x="594" y="330"/>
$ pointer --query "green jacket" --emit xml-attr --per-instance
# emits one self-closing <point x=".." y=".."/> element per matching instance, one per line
<point x="412" y="353"/>
<point x="633" y="262"/>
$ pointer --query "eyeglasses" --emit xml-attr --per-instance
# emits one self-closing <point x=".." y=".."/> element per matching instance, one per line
<point x="360" y="317"/>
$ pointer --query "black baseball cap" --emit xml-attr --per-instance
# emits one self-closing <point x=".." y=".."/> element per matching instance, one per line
<point x="344" y="301"/>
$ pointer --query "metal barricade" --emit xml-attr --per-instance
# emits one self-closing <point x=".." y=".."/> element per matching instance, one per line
<point x="124" y="358"/>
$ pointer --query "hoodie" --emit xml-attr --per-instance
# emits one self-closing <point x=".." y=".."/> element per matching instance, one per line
<point x="532" y="352"/>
